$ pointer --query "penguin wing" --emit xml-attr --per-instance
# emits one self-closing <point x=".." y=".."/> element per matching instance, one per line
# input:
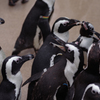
<point x="33" y="78"/>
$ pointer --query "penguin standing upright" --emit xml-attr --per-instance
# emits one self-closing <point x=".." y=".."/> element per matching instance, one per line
<point x="90" y="75"/>
<point x="38" y="18"/>
<point x="10" y="87"/>
<point x="86" y="38"/>
<point x="68" y="65"/>
<point x="59" y="36"/>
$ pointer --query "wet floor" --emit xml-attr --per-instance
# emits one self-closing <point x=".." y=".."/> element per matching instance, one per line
<point x="87" y="10"/>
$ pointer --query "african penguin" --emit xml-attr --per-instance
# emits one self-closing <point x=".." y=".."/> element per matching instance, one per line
<point x="86" y="38"/>
<point x="59" y="36"/>
<point x="92" y="92"/>
<point x="35" y="28"/>
<point x="69" y="64"/>
<point x="90" y="75"/>
<point x="10" y="87"/>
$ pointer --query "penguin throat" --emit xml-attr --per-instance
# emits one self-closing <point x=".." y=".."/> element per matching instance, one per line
<point x="86" y="42"/>
<point x="14" y="79"/>
<point x="70" y="71"/>
<point x="63" y="36"/>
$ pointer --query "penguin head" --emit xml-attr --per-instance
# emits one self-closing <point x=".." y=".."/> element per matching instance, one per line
<point x="87" y="29"/>
<point x="94" y="58"/>
<point x="12" y="64"/>
<point x="2" y="21"/>
<point x="73" y="53"/>
<point x="62" y="25"/>
<point x="92" y="92"/>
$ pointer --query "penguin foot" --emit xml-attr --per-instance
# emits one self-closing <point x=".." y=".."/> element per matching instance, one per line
<point x="11" y="3"/>
<point x="24" y="1"/>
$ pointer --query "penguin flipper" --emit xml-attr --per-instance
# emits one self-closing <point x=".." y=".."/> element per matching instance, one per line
<point x="33" y="78"/>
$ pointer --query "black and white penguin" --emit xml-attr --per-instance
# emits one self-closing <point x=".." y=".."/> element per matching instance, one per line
<point x="58" y="36"/>
<point x="36" y="22"/>
<point x="86" y="38"/>
<point x="66" y="68"/>
<point x="90" y="75"/>
<point x="92" y="92"/>
<point x="10" y="87"/>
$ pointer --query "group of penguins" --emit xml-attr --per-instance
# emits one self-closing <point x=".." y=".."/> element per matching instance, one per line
<point x="60" y="70"/>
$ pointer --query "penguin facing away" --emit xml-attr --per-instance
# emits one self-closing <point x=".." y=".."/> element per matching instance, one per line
<point x="63" y="71"/>
<point x="10" y="87"/>
<point x="59" y="36"/>
<point x="90" y="75"/>
<point x="92" y="92"/>
<point x="35" y="24"/>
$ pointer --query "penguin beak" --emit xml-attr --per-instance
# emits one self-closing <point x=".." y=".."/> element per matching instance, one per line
<point x="74" y="22"/>
<point x="59" y="46"/>
<point x="27" y="57"/>
<point x="2" y="21"/>
<point x="97" y="34"/>
<point x="84" y="25"/>
<point x="19" y="62"/>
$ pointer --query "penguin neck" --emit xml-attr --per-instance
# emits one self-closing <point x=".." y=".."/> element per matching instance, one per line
<point x="14" y="79"/>
<point x="85" y="42"/>
<point x="63" y="36"/>
<point x="70" y="70"/>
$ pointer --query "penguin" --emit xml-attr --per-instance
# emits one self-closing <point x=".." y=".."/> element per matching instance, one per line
<point x="35" y="28"/>
<point x="10" y="87"/>
<point x="90" y="75"/>
<point x="13" y="2"/>
<point x="2" y="21"/>
<point x="2" y="57"/>
<point x="92" y="92"/>
<point x="86" y="38"/>
<point x="66" y="68"/>
<point x="59" y="35"/>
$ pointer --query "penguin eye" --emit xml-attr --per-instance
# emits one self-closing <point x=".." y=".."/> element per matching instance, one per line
<point x="93" y="92"/>
<point x="91" y="27"/>
<point x="69" y="50"/>
<point x="18" y="60"/>
<point x="65" y="24"/>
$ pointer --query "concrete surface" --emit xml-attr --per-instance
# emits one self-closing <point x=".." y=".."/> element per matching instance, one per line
<point x="87" y="10"/>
